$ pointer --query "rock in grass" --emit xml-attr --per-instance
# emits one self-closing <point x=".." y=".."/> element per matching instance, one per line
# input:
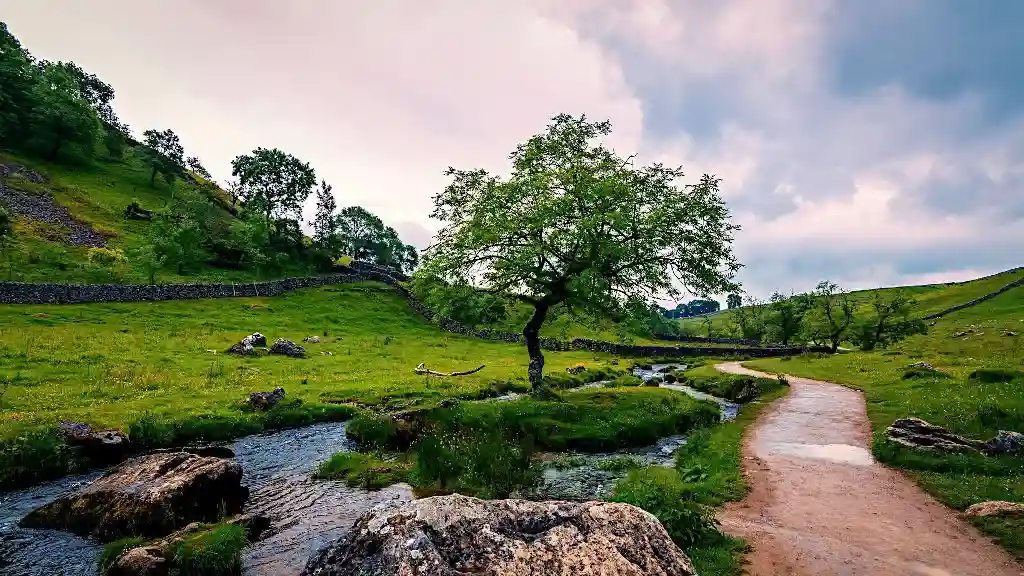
<point x="455" y="534"/>
<point x="155" y="558"/>
<point x="1005" y="442"/>
<point x="287" y="348"/>
<point x="266" y="400"/>
<point x="916" y="433"/>
<point x="922" y="365"/>
<point x="995" y="508"/>
<point x="247" y="347"/>
<point x="101" y="447"/>
<point x="312" y="339"/>
<point x="149" y="496"/>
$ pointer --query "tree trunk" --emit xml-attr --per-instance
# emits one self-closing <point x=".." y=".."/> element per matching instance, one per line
<point x="152" y="178"/>
<point x="54" y="150"/>
<point x="532" y="335"/>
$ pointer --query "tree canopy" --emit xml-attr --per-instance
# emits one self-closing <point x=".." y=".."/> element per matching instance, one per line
<point x="273" y="183"/>
<point x="164" y="154"/>
<point x="576" y="223"/>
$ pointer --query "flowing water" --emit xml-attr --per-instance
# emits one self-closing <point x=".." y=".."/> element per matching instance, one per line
<point x="581" y="476"/>
<point x="306" y="513"/>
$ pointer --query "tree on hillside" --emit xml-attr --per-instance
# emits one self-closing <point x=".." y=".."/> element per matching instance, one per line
<point x="163" y="153"/>
<point x="785" y="316"/>
<point x="18" y="78"/>
<point x="60" y="116"/>
<point x="579" y="225"/>
<point x="273" y="183"/>
<point x="751" y="320"/>
<point x="831" y="316"/>
<point x="325" y="221"/>
<point x="702" y="306"/>
<point x="364" y="237"/>
<point x="96" y="92"/>
<point x="734" y="301"/>
<point x="888" y="321"/>
<point x="196" y="166"/>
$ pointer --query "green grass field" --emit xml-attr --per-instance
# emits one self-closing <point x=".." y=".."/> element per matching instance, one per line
<point x="930" y="298"/>
<point x="972" y="406"/>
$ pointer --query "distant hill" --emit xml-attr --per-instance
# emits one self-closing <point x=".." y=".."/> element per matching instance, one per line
<point x="930" y="298"/>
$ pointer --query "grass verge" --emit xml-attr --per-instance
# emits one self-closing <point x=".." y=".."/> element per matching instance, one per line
<point x="708" y="473"/>
<point x="976" y="390"/>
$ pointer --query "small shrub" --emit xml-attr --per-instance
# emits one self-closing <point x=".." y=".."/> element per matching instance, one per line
<point x="921" y="372"/>
<point x="619" y="463"/>
<point x="662" y="492"/>
<point x="365" y="471"/>
<point x="34" y="454"/>
<point x="112" y="260"/>
<point x="484" y="465"/>
<point x="995" y="375"/>
<point x="373" y="431"/>
<point x="113" y="550"/>
<point x="567" y="461"/>
<point x="213" y="552"/>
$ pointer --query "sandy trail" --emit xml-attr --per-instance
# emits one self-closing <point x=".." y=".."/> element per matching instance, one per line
<point x="821" y="505"/>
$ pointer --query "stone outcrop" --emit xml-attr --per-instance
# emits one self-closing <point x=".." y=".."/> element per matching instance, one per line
<point x="287" y="348"/>
<point x="266" y="400"/>
<point x="916" y="433"/>
<point x="450" y="535"/>
<point x="247" y="346"/>
<point x="148" y="496"/>
<point x="995" y="508"/>
<point x="100" y="447"/>
<point x="156" y="559"/>
<point x="43" y="208"/>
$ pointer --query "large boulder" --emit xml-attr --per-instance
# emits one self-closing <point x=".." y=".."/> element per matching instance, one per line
<point x="916" y="433"/>
<point x="156" y="559"/>
<point x="99" y="446"/>
<point x="287" y="348"/>
<point x="450" y="535"/>
<point x="148" y="496"/>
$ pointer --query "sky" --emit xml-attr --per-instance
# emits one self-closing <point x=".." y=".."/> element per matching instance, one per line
<point x="869" y="142"/>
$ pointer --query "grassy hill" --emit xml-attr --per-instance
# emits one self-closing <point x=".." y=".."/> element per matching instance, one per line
<point x="979" y="390"/>
<point x="97" y="194"/>
<point x="930" y="298"/>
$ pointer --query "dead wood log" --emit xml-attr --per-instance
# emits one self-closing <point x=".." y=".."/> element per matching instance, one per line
<point x="422" y="369"/>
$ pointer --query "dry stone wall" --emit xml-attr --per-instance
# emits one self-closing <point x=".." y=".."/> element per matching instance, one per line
<point x="49" y="293"/>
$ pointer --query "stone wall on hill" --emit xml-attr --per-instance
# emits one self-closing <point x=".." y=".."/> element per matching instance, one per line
<point x="51" y="293"/>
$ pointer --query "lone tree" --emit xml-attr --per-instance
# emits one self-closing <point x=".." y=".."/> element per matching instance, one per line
<point x="273" y="183"/>
<point x="164" y="154"/>
<point x="734" y="301"/>
<point x="578" y="225"/>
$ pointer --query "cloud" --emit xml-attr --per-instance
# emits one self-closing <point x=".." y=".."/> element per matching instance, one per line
<point x="873" y="143"/>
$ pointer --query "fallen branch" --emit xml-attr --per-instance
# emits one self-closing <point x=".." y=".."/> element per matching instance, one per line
<point x="421" y="369"/>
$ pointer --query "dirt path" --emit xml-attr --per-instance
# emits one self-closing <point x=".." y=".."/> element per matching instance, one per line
<point x="821" y="505"/>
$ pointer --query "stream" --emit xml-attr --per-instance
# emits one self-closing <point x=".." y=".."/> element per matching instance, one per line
<point x="306" y="514"/>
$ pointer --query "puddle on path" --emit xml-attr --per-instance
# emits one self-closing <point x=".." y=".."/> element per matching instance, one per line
<point x="839" y="453"/>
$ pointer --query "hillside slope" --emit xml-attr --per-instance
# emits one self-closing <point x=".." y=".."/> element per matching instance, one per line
<point x="95" y="195"/>
<point x="931" y="298"/>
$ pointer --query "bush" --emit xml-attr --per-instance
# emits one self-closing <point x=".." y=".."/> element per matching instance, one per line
<point x="365" y="471"/>
<point x="216" y="551"/>
<point x="111" y="260"/>
<point x="34" y="454"/>
<point x="995" y="375"/>
<point x="734" y="387"/>
<point x="619" y="463"/>
<point x="485" y="465"/>
<point x="113" y="550"/>
<point x="373" y="431"/>
<point x="661" y="492"/>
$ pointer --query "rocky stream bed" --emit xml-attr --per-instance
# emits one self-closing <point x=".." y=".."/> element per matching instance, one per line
<point x="305" y="514"/>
